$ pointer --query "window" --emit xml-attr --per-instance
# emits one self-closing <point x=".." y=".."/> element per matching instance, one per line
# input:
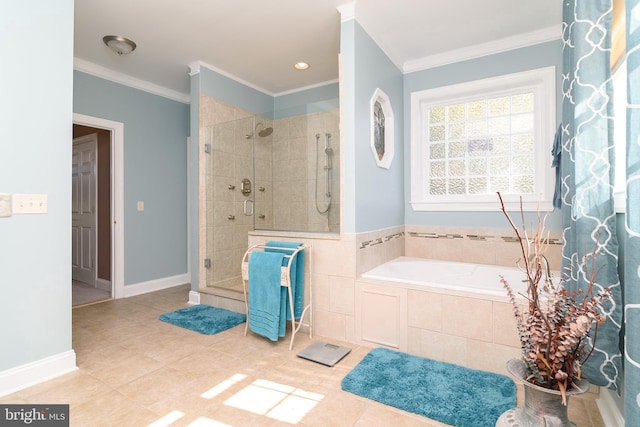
<point x="473" y="139"/>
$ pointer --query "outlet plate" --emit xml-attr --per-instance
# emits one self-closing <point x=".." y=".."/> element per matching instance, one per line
<point x="30" y="203"/>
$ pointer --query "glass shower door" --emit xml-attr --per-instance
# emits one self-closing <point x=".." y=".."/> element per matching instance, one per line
<point x="229" y="202"/>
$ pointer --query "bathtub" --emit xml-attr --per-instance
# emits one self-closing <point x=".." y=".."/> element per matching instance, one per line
<point x="449" y="311"/>
<point x="449" y="277"/>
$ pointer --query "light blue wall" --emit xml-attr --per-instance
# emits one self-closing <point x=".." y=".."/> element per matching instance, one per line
<point x="517" y="60"/>
<point x="321" y="98"/>
<point x="379" y="193"/>
<point x="227" y="90"/>
<point x="36" y="87"/>
<point x="155" y="172"/>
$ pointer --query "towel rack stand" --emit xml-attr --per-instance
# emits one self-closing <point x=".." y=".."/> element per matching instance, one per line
<point x="285" y="281"/>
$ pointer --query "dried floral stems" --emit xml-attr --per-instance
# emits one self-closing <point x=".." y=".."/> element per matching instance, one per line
<point x="554" y="329"/>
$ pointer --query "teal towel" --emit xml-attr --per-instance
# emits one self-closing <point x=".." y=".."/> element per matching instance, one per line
<point x="297" y="277"/>
<point x="265" y="294"/>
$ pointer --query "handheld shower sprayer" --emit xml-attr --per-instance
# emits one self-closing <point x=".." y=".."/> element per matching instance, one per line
<point x="328" y="151"/>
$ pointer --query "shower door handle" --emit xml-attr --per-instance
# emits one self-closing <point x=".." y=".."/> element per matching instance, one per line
<point x="248" y="203"/>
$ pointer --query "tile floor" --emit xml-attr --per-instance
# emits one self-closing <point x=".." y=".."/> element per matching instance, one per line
<point x="135" y="370"/>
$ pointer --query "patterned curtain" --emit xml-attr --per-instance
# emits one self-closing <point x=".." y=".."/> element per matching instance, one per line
<point x="587" y="174"/>
<point x="632" y="247"/>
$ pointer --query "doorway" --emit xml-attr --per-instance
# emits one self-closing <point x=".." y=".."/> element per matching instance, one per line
<point x="90" y="215"/>
<point x="107" y="264"/>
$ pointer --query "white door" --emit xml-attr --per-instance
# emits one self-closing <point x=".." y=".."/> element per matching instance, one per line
<point x="83" y="209"/>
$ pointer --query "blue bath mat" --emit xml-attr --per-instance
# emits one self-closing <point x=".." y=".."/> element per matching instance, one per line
<point x="204" y="319"/>
<point x="451" y="394"/>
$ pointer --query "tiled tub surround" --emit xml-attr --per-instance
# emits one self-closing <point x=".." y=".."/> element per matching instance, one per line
<point x="377" y="247"/>
<point x="467" y="328"/>
<point x="474" y="245"/>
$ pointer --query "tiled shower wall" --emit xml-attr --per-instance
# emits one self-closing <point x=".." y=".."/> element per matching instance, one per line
<point x="295" y="153"/>
<point x="284" y="187"/>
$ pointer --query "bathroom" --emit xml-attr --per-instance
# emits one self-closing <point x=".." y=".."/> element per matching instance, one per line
<point x="163" y="240"/>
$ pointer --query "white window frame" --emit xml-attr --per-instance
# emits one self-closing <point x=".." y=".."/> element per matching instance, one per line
<point x="543" y="85"/>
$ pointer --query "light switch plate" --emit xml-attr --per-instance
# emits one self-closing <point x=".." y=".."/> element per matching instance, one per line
<point x="30" y="204"/>
<point x="140" y="206"/>
<point x="5" y="205"/>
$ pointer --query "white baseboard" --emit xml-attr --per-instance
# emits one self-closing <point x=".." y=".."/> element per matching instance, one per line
<point x="155" y="285"/>
<point x="608" y="409"/>
<point x="103" y="285"/>
<point x="194" y="298"/>
<point x="33" y="373"/>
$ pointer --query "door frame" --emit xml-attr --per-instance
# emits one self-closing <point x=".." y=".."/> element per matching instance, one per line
<point x="117" y="196"/>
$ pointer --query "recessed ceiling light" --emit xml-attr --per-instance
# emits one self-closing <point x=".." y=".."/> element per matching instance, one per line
<point x="301" y="65"/>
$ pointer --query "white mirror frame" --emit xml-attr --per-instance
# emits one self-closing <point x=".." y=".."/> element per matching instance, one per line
<point x="383" y="151"/>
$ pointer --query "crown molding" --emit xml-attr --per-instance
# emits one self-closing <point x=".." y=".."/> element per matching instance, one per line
<point x="195" y="67"/>
<point x="347" y="11"/>
<point x="300" y="89"/>
<point x="125" y="79"/>
<point x="484" y="49"/>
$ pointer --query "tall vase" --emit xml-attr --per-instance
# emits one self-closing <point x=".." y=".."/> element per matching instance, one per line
<point x="542" y="407"/>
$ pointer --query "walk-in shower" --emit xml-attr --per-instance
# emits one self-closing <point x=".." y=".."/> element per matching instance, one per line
<point x="263" y="173"/>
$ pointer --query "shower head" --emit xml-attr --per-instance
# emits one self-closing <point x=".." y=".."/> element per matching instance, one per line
<point x="328" y="151"/>
<point x="264" y="131"/>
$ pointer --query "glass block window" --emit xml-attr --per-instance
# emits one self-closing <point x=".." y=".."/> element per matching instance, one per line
<point x="481" y="147"/>
<point x="472" y="140"/>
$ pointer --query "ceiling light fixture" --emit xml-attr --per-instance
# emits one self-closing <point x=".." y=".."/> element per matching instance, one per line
<point x="301" y="66"/>
<point x="120" y="45"/>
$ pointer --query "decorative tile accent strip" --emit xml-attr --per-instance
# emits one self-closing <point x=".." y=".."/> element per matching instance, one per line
<point x="393" y="236"/>
<point x="377" y="241"/>
<point x="380" y="240"/>
<point x="429" y="235"/>
<point x="477" y="237"/>
<point x="436" y="235"/>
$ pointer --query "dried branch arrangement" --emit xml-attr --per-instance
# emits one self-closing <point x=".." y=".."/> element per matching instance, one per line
<point x="554" y="329"/>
